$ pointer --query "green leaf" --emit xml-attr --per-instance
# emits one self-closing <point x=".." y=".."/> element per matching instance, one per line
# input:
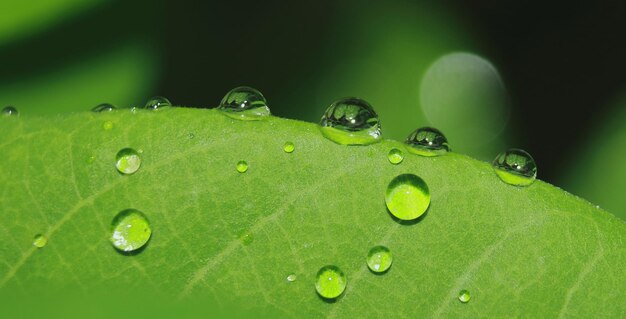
<point x="227" y="237"/>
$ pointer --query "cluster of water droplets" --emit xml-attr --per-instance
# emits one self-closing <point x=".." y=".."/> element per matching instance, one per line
<point x="348" y="121"/>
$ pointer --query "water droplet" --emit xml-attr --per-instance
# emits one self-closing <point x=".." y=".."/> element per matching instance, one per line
<point x="9" y="111"/>
<point x="104" y="107"/>
<point x="464" y="296"/>
<point x="395" y="156"/>
<point x="191" y="135"/>
<point x="351" y="121"/>
<point x="244" y="103"/>
<point x="289" y="147"/>
<point x="407" y="197"/>
<point x="40" y="241"/>
<point x="292" y="277"/>
<point x="379" y="259"/>
<point x="427" y="141"/>
<point x="246" y="237"/>
<point x="107" y="126"/>
<point x="127" y="161"/>
<point x="91" y="159"/>
<point x="130" y="230"/>
<point x="515" y="167"/>
<point x="157" y="102"/>
<point x="330" y="282"/>
<point x="242" y="166"/>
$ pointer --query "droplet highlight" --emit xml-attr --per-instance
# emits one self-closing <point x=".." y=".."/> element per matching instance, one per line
<point x="9" y="111"/>
<point x="127" y="161"/>
<point x="330" y="282"/>
<point x="291" y="277"/>
<point x="427" y="141"/>
<point x="515" y="167"/>
<point x="395" y="156"/>
<point x="242" y="166"/>
<point x="130" y="230"/>
<point x="157" y="102"/>
<point x="379" y="259"/>
<point x="244" y="103"/>
<point x="351" y="121"/>
<point x="289" y="147"/>
<point x="40" y="241"/>
<point x="104" y="107"/>
<point x="407" y="197"/>
<point x="464" y="296"/>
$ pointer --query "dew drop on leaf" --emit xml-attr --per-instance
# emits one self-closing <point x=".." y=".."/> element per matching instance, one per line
<point x="289" y="147"/>
<point x="130" y="230"/>
<point x="395" y="156"/>
<point x="464" y="296"/>
<point x="330" y="282"/>
<point x="515" y="167"/>
<point x="379" y="259"/>
<point x="291" y="277"/>
<point x="351" y="121"/>
<point x="246" y="237"/>
<point x="40" y="241"/>
<point x="107" y="126"/>
<point x="244" y="103"/>
<point x="104" y="107"/>
<point x="127" y="161"/>
<point x="407" y="197"/>
<point x="242" y="166"/>
<point x="91" y="159"/>
<point x="9" y="111"/>
<point x="427" y="141"/>
<point x="157" y="102"/>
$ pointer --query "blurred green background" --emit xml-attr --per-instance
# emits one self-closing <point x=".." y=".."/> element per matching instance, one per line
<point x="545" y="77"/>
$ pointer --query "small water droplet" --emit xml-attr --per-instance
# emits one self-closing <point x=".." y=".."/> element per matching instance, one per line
<point x="464" y="296"/>
<point x="244" y="103"/>
<point x="395" y="156"/>
<point x="330" y="282"/>
<point x="242" y="166"/>
<point x="289" y="147"/>
<point x="9" y="111"/>
<point x="127" y="161"/>
<point x="130" y="230"/>
<point x="407" y="197"/>
<point x="157" y="102"/>
<point x="351" y="121"/>
<point x="104" y="107"/>
<point x="107" y="125"/>
<point x="379" y="259"/>
<point x="91" y="159"/>
<point x="292" y="277"/>
<point x="246" y="237"/>
<point x="191" y="135"/>
<point x="40" y="241"/>
<point x="515" y="167"/>
<point x="427" y="141"/>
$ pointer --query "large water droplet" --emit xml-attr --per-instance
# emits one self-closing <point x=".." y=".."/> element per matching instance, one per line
<point x="395" y="156"/>
<point x="9" y="111"/>
<point x="379" y="259"/>
<point x="427" y="141"/>
<point x="127" y="161"/>
<point x="130" y="230"/>
<point x="351" y="121"/>
<point x="104" y="107"/>
<point x="464" y="296"/>
<point x="157" y="102"/>
<point x="330" y="282"/>
<point x="407" y="197"/>
<point x="289" y="147"/>
<point x="40" y="241"/>
<point x="244" y="103"/>
<point x="515" y="167"/>
<point x="242" y="166"/>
